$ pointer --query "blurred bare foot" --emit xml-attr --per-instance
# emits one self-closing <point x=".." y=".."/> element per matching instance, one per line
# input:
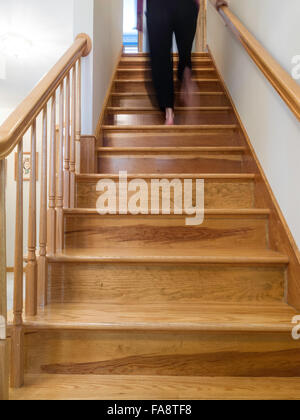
<point x="187" y="87"/>
<point x="169" y="116"/>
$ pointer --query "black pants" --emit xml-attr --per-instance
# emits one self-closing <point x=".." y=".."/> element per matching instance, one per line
<point x="165" y="18"/>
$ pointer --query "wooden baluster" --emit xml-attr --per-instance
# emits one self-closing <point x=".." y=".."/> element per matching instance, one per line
<point x="73" y="141"/>
<point x="60" y="184"/>
<point x="17" y="345"/>
<point x="42" y="261"/>
<point x="31" y="269"/>
<point x="52" y="182"/>
<point x="67" y="147"/>
<point x="3" y="292"/>
<point x="78" y="118"/>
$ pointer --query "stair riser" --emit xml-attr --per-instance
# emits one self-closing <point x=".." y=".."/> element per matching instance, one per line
<point x="169" y="354"/>
<point x="216" y="139"/>
<point x="184" y="164"/>
<point x="181" y="118"/>
<point x="219" y="194"/>
<point x="145" y="73"/>
<point x="105" y="283"/>
<point x="92" y="231"/>
<point x="146" y="101"/>
<point x="142" y="86"/>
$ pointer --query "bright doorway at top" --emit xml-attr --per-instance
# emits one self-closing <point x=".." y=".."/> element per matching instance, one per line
<point x="130" y="33"/>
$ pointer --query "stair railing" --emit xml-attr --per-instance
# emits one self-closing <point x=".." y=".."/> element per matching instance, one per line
<point x="59" y="90"/>
<point x="280" y="79"/>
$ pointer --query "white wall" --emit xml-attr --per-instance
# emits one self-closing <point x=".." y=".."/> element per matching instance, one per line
<point x="272" y="127"/>
<point x="84" y="23"/>
<point x="102" y="20"/>
<point x="44" y="35"/>
<point x="108" y="41"/>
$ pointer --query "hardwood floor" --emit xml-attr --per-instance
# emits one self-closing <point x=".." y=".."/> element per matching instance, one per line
<point x="145" y="307"/>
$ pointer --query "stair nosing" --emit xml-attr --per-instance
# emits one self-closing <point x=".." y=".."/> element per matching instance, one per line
<point x="133" y="69"/>
<point x="215" y="80"/>
<point x="170" y="127"/>
<point x="122" y="94"/>
<point x="178" y="327"/>
<point x="239" y="176"/>
<point x="208" y="212"/>
<point x="156" y="110"/>
<point x="280" y="259"/>
<point x="159" y="150"/>
<point x="238" y="324"/>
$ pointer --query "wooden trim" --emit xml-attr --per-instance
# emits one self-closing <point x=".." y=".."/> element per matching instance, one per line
<point x="280" y="79"/>
<point x="21" y="119"/>
<point x="107" y="97"/>
<point x="88" y="155"/>
<point x="11" y="270"/>
<point x="4" y="369"/>
<point x="280" y="234"/>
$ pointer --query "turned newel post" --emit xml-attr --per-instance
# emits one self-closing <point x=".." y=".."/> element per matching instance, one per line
<point x="60" y="175"/>
<point x="67" y="147"/>
<point x="73" y="139"/>
<point x="78" y="118"/>
<point x="52" y="181"/>
<point x="31" y="268"/>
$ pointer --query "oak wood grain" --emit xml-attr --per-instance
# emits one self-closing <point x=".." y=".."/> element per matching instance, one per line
<point x="161" y="283"/>
<point x="242" y="229"/>
<point x="222" y="191"/>
<point x="171" y="160"/>
<point x="4" y="370"/>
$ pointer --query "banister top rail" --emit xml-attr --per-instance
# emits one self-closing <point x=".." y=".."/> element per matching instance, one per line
<point x="16" y="125"/>
<point x="281" y="80"/>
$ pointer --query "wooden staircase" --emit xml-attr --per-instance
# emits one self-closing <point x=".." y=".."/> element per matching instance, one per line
<point x="144" y="306"/>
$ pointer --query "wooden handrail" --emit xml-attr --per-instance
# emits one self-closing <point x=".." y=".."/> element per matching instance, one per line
<point x="62" y="163"/>
<point x="280" y="79"/>
<point x="20" y="120"/>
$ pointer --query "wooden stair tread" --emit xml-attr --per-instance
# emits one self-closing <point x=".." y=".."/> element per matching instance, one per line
<point x="155" y="110"/>
<point x="134" y="94"/>
<point x="181" y="256"/>
<point x="209" y="212"/>
<point x="133" y="69"/>
<point x="124" y="387"/>
<point x="195" y="79"/>
<point x="170" y="128"/>
<point x="158" y="150"/>
<point x="175" y="55"/>
<point x="165" y="317"/>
